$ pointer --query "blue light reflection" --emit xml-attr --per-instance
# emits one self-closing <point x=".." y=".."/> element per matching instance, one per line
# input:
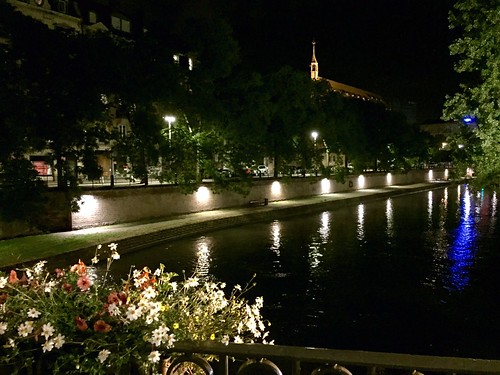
<point x="461" y="252"/>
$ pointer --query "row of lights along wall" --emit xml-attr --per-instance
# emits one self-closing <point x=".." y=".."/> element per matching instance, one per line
<point x="203" y="197"/>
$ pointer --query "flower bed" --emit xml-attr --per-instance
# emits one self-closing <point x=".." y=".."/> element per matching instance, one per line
<point x="75" y="322"/>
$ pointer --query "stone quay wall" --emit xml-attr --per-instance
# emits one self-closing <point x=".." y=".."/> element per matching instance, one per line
<point x="119" y="205"/>
<point x="156" y="202"/>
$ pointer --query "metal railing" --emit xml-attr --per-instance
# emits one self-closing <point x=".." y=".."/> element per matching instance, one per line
<point x="243" y="359"/>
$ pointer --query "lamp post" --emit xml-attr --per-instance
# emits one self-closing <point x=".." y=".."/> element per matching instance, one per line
<point x="170" y="120"/>
<point x="112" y="169"/>
<point x="314" y="136"/>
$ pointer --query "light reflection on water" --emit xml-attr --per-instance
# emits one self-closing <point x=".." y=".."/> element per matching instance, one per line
<point x="389" y="216"/>
<point x="462" y="249"/>
<point x="361" y="223"/>
<point x="203" y="258"/>
<point x="407" y="274"/>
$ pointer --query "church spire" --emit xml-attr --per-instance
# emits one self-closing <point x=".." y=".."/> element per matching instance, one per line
<point x="314" y="64"/>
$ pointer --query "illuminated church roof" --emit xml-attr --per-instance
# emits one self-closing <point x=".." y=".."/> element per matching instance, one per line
<point x="345" y="90"/>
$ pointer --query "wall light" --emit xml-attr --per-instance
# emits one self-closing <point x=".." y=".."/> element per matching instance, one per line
<point x="446" y="173"/>
<point x="361" y="181"/>
<point x="431" y="175"/>
<point x="325" y="186"/>
<point x="276" y="188"/>
<point x="388" y="178"/>
<point x="202" y="194"/>
<point x="89" y="207"/>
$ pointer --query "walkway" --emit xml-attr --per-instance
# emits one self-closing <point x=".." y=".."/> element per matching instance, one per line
<point x="69" y="246"/>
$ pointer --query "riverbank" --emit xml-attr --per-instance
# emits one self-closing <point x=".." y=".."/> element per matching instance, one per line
<point x="69" y="246"/>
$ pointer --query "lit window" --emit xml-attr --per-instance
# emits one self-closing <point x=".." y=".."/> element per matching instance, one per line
<point x="122" y="129"/>
<point x="126" y="26"/>
<point x="120" y="24"/>
<point x="92" y="17"/>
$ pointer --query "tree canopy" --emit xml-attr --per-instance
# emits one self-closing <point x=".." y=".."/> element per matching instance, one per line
<point x="61" y="87"/>
<point x="478" y="62"/>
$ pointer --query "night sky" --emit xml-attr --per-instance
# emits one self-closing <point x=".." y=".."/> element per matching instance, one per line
<point x="397" y="48"/>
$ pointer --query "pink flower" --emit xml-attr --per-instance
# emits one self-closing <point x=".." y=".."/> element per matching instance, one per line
<point x="113" y="298"/>
<point x="84" y="283"/>
<point x="59" y="272"/>
<point x="102" y="326"/>
<point x="81" y="324"/>
<point x="79" y="268"/>
<point x="67" y="287"/>
<point x="13" y="277"/>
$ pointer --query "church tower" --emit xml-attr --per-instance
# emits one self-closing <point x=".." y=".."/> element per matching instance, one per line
<point x="314" y="64"/>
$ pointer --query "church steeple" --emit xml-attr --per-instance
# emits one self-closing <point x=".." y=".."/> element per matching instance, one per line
<point x="314" y="64"/>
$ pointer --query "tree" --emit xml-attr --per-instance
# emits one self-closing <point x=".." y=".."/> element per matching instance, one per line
<point x="478" y="54"/>
<point x="21" y="191"/>
<point x="55" y="94"/>
<point x="291" y="117"/>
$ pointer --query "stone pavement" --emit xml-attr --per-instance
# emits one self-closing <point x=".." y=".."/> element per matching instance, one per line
<point x="137" y="235"/>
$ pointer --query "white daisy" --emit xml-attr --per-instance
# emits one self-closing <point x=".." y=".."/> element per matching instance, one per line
<point x="3" y="327"/>
<point x="48" y="346"/>
<point x="154" y="356"/>
<point x="33" y="313"/>
<point x="58" y="341"/>
<point x="133" y="313"/>
<point x="25" y="328"/>
<point x="47" y="330"/>
<point x="113" y="246"/>
<point x="149" y="293"/>
<point x="114" y="310"/>
<point x="103" y="355"/>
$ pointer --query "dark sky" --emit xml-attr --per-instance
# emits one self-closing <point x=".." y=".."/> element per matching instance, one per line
<point x="397" y="48"/>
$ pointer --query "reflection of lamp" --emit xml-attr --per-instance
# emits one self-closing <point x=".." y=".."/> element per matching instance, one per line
<point x="170" y="120"/>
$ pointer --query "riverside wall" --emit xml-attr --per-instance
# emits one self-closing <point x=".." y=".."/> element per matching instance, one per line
<point x="119" y="205"/>
<point x="135" y="203"/>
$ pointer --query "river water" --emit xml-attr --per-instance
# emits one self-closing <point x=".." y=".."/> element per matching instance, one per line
<point x="412" y="274"/>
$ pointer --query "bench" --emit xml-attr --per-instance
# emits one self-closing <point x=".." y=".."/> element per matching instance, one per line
<point x="259" y="202"/>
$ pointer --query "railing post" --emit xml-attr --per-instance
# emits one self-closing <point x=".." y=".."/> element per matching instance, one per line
<point x="225" y="361"/>
<point x="296" y="368"/>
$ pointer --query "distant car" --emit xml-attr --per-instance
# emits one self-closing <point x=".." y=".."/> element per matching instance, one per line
<point x="225" y="172"/>
<point x="262" y="170"/>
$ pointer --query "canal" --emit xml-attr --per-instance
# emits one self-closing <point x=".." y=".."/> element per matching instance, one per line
<point x="413" y="274"/>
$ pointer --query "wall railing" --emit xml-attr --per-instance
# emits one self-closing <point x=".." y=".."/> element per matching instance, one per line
<point x="243" y="359"/>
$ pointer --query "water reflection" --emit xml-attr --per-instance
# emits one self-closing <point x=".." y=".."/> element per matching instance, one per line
<point x="493" y="220"/>
<point x="324" y="229"/>
<point x="361" y="223"/>
<point x="203" y="259"/>
<point x="429" y="208"/>
<point x="314" y="256"/>
<point x="461" y="251"/>
<point x="438" y="239"/>
<point x="338" y="279"/>
<point x="389" y="216"/>
<point x="276" y="237"/>
<point x="315" y="247"/>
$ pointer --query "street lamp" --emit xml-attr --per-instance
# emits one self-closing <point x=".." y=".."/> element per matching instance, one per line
<point x="170" y="120"/>
<point x="314" y="136"/>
